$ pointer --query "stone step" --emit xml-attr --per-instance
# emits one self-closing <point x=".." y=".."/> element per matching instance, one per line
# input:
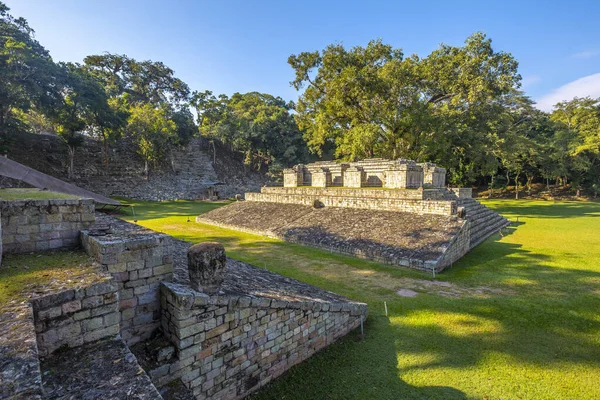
<point x="477" y="230"/>
<point x="489" y="231"/>
<point x="484" y="218"/>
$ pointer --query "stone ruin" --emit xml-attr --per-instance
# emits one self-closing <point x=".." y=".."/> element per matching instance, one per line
<point x="393" y="211"/>
<point x="151" y="317"/>
<point x="374" y="172"/>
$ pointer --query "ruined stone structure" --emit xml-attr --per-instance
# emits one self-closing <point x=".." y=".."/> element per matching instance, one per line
<point x="392" y="211"/>
<point x="188" y="173"/>
<point x="374" y="172"/>
<point x="35" y="225"/>
<point x="224" y="328"/>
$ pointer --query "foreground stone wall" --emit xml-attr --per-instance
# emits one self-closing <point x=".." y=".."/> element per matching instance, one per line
<point x="139" y="259"/>
<point x="36" y="225"/>
<point x="228" y="346"/>
<point x="74" y="317"/>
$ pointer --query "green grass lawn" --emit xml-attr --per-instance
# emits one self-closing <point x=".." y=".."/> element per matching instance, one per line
<point x="523" y="321"/>
<point x="31" y="194"/>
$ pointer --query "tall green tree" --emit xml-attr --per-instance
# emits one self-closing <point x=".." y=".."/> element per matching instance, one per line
<point x="257" y="124"/>
<point x="152" y="129"/>
<point x="27" y="73"/>
<point x="84" y="106"/>
<point x="372" y="101"/>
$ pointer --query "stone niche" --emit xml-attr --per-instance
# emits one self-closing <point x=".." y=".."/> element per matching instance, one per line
<point x="293" y="177"/>
<point x="433" y="176"/>
<point x="321" y="178"/>
<point x="405" y="176"/>
<point x="354" y="177"/>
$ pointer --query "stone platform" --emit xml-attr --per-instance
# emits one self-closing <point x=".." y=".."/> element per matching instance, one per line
<point x="416" y="228"/>
<point x="424" y="242"/>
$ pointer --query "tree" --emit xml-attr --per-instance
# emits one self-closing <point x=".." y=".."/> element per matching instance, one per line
<point x="142" y="81"/>
<point x="578" y="136"/>
<point x="257" y="124"/>
<point x="84" y="106"/>
<point x="372" y="101"/>
<point x="27" y="73"/>
<point x="152" y="130"/>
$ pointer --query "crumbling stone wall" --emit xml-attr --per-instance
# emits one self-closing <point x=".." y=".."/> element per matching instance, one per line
<point x="35" y="225"/>
<point x="139" y="259"/>
<point x="74" y="317"/>
<point x="228" y="346"/>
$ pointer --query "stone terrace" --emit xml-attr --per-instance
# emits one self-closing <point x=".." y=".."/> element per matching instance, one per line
<point x="418" y="241"/>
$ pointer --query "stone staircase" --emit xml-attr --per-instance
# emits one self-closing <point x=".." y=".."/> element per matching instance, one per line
<point x="484" y="221"/>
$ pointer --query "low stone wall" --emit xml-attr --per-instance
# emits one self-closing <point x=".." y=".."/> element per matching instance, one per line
<point x="458" y="247"/>
<point x="139" y="259"/>
<point x="463" y="193"/>
<point x="438" y="207"/>
<point x="228" y="346"/>
<point x="74" y="317"/>
<point x="414" y="194"/>
<point x="34" y="225"/>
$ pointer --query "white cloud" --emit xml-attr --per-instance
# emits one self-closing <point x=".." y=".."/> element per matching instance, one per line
<point x="586" y="54"/>
<point x="529" y="80"/>
<point x="582" y="87"/>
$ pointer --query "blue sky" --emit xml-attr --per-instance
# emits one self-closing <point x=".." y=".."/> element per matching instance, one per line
<point x="242" y="46"/>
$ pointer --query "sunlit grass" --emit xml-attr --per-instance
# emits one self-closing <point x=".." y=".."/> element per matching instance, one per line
<point x="22" y="274"/>
<point x="522" y="321"/>
<point x="31" y="194"/>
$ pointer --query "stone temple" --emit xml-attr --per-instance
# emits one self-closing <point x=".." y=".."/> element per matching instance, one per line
<point x="393" y="211"/>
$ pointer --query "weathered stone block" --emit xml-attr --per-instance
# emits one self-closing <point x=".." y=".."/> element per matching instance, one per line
<point x="206" y="266"/>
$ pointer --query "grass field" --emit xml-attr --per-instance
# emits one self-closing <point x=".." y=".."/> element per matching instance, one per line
<point x="31" y="194"/>
<point x="517" y="318"/>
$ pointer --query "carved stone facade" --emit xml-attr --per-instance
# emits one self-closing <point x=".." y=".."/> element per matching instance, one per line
<point x="374" y="172"/>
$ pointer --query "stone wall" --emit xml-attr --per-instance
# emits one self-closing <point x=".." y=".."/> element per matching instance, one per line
<point x="228" y="346"/>
<point x="415" y="194"/>
<point x="438" y="207"/>
<point x="139" y="259"/>
<point x="458" y="247"/>
<point x="35" y="225"/>
<point x="74" y="317"/>
<point x="463" y="193"/>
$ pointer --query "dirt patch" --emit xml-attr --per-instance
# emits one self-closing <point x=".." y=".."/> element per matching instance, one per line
<point x="406" y="293"/>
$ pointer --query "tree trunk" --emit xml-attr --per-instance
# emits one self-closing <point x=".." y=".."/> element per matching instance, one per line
<point x="491" y="192"/>
<point x="517" y="186"/>
<point x="106" y="149"/>
<point x="578" y="194"/>
<point x="71" y="150"/>
<point x="529" y="179"/>
<point x="507" y="180"/>
<point x="146" y="169"/>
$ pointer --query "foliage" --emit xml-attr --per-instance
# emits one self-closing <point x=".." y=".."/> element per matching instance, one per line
<point x="153" y="131"/>
<point x="27" y="73"/>
<point x="373" y="102"/>
<point x="258" y="124"/>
